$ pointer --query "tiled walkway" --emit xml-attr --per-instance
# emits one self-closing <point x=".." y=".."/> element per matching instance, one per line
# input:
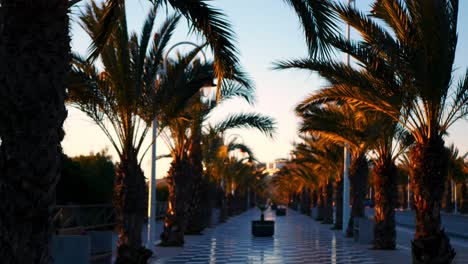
<point x="297" y="239"/>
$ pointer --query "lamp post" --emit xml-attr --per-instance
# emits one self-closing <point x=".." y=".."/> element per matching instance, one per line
<point x="151" y="232"/>
<point x="347" y="155"/>
<point x="408" y="195"/>
<point x="454" y="191"/>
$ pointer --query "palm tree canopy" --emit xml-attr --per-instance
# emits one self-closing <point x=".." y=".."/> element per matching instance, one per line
<point x="204" y="18"/>
<point x="318" y="22"/>
<point x="409" y="75"/>
<point x="126" y="94"/>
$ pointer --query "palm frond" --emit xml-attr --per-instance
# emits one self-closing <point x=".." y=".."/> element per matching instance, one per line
<point x="318" y="20"/>
<point x="264" y="124"/>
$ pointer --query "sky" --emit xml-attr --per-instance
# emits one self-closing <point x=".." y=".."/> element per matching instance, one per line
<point x="267" y="31"/>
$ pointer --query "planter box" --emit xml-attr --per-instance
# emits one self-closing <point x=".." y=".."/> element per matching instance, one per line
<point x="263" y="228"/>
<point x="280" y="211"/>
<point x="70" y="249"/>
<point x="363" y="230"/>
<point x="101" y="246"/>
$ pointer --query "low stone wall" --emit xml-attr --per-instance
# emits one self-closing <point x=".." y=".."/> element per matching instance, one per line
<point x="93" y="247"/>
<point x="71" y="249"/>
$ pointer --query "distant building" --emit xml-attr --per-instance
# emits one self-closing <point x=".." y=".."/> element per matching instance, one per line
<point x="271" y="168"/>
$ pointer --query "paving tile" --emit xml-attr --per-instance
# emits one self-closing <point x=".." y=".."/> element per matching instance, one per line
<point x="297" y="239"/>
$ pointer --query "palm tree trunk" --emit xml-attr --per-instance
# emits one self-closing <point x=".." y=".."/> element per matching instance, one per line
<point x="305" y="201"/>
<point x="175" y="221"/>
<point x="385" y="178"/>
<point x="199" y="202"/>
<point x="35" y="55"/>
<point x="129" y="196"/>
<point x="328" y="203"/>
<point x="447" y="200"/>
<point x="201" y="209"/>
<point x="428" y="175"/>
<point x="223" y="205"/>
<point x="338" y="189"/>
<point x="358" y="173"/>
<point x="320" y="204"/>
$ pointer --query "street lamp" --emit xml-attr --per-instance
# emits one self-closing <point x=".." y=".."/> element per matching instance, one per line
<point x="408" y="195"/>
<point x="347" y="154"/>
<point x="151" y="232"/>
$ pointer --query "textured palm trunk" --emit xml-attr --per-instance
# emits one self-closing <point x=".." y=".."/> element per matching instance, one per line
<point x="338" y="190"/>
<point x="358" y="174"/>
<point x="129" y="203"/>
<point x="198" y="203"/>
<point x="303" y="201"/>
<point x="201" y="209"/>
<point x="314" y="198"/>
<point x="447" y="200"/>
<point x="385" y="178"/>
<point x="428" y="175"/>
<point x="180" y="191"/>
<point x="327" y="203"/>
<point x="223" y="205"/>
<point x="34" y="63"/>
<point x="320" y="204"/>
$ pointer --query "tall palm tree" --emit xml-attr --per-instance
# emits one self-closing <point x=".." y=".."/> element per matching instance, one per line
<point x="45" y="55"/>
<point x="35" y="56"/>
<point x="325" y="160"/>
<point x="183" y="139"/>
<point x="216" y="157"/>
<point x="122" y="100"/>
<point x="422" y="96"/>
<point x="343" y="124"/>
<point x="294" y="178"/>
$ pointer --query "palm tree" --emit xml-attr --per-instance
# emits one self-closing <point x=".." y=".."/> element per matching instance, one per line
<point x="324" y="158"/>
<point x="35" y="56"/>
<point x="343" y="124"/>
<point x="183" y="139"/>
<point x="122" y="100"/>
<point x="43" y="53"/>
<point x="294" y="178"/>
<point x="419" y="93"/>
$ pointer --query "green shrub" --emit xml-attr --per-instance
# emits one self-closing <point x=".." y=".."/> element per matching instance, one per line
<point x="86" y="179"/>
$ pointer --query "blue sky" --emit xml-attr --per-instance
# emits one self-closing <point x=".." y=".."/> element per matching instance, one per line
<point x="267" y="30"/>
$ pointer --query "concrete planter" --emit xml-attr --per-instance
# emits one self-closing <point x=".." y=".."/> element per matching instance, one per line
<point x="263" y="228"/>
<point x="101" y="242"/>
<point x="71" y="249"/>
<point x="101" y="246"/>
<point x="280" y="211"/>
<point x="363" y="231"/>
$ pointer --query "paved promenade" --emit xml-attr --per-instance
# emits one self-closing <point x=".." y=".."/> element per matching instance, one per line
<point x="297" y="239"/>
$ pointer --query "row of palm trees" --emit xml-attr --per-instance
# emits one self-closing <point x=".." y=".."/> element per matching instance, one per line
<point x="404" y="71"/>
<point x="398" y="95"/>
<point x="122" y="99"/>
